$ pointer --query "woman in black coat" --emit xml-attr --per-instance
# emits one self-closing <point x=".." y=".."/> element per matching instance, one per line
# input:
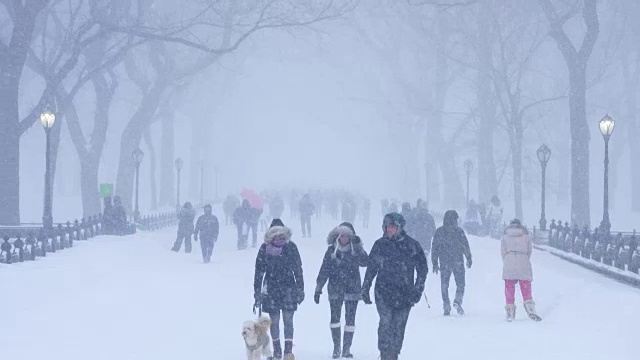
<point x="341" y="267"/>
<point x="278" y="284"/>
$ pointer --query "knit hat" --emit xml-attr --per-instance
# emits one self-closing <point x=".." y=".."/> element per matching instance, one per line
<point x="349" y="225"/>
<point x="334" y="239"/>
<point x="393" y="219"/>
<point x="276" y="222"/>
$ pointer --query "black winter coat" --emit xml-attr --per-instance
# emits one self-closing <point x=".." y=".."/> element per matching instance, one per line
<point x="185" y="226"/>
<point x="401" y="269"/>
<point x="450" y="244"/>
<point x="278" y="282"/>
<point x="208" y="227"/>
<point x="342" y="269"/>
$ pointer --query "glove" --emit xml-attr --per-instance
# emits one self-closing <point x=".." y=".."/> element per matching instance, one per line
<point x="436" y="269"/>
<point x="366" y="297"/>
<point x="469" y="263"/>
<point x="417" y="294"/>
<point x="316" y="297"/>
<point x="300" y="298"/>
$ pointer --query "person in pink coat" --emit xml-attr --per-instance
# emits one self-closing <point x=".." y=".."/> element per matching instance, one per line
<point x="516" y="258"/>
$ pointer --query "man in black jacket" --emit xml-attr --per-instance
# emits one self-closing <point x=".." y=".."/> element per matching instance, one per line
<point x="450" y="246"/>
<point x="400" y="265"/>
<point x="208" y="228"/>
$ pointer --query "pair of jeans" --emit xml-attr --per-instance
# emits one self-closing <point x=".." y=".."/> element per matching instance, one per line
<point x="187" y="243"/>
<point x="207" y="249"/>
<point x="350" y="309"/>
<point x="510" y="290"/>
<point x="458" y="271"/>
<point x="287" y="319"/>
<point x="393" y="323"/>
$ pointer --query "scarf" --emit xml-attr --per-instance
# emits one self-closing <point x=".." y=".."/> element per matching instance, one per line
<point x="274" y="248"/>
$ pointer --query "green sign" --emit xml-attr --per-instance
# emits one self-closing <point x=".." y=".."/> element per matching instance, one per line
<point x="106" y="190"/>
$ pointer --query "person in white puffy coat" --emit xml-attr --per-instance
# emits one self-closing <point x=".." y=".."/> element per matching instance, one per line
<point x="516" y="257"/>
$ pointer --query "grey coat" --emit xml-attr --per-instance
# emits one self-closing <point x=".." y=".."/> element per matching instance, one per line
<point x="341" y="267"/>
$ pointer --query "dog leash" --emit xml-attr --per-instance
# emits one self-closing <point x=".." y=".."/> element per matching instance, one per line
<point x="427" y="300"/>
<point x="259" y="309"/>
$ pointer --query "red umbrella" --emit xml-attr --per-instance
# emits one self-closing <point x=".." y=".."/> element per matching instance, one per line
<point x="255" y="200"/>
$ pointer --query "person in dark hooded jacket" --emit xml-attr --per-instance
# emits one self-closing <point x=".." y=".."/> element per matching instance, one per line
<point x="242" y="218"/>
<point x="341" y="267"/>
<point x="424" y="226"/>
<point x="399" y="263"/>
<point x="278" y="284"/>
<point x="185" y="228"/>
<point x="207" y="228"/>
<point x="450" y="247"/>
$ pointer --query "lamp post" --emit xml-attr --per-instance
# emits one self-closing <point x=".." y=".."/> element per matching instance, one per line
<point x="201" y="181"/>
<point x="47" y="119"/>
<point x="544" y="153"/>
<point x="468" y="165"/>
<point x="606" y="129"/>
<point x="137" y="156"/>
<point x="179" y="164"/>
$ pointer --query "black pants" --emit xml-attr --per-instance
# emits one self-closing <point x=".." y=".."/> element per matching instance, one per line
<point x="287" y="319"/>
<point x="306" y="226"/>
<point x="445" y="275"/>
<point x="253" y="227"/>
<point x="207" y="249"/>
<point x="187" y="243"/>
<point x="350" y="309"/>
<point x="391" y="328"/>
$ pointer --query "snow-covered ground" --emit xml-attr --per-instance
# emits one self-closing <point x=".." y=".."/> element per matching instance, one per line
<point x="131" y="298"/>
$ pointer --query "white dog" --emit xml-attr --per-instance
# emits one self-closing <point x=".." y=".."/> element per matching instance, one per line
<point x="256" y="338"/>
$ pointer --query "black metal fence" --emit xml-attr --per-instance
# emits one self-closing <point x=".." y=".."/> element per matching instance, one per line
<point x="26" y="243"/>
<point x="618" y="249"/>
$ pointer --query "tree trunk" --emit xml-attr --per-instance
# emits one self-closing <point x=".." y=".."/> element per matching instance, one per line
<point x="167" y="189"/>
<point x="89" y="167"/>
<point x="516" y="160"/>
<point x="580" y="137"/>
<point x="130" y="140"/>
<point x="453" y="193"/>
<point x="12" y="63"/>
<point x="487" y="178"/>
<point x="152" y="170"/>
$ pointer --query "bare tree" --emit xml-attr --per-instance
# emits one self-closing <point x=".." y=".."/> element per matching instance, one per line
<point x="576" y="60"/>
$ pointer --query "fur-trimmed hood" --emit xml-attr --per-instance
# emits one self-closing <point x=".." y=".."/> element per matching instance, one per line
<point x="274" y="231"/>
<point x="336" y="232"/>
<point x="516" y="231"/>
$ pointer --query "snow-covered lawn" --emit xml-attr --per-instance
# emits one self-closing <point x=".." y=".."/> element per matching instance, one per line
<point x="131" y="298"/>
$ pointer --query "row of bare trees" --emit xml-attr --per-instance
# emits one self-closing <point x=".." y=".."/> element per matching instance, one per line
<point x="79" y="47"/>
<point x="488" y="77"/>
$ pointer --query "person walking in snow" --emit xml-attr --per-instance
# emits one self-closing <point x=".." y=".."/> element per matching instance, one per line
<point x="516" y="248"/>
<point x="450" y="247"/>
<point x="399" y="263"/>
<point x="242" y="218"/>
<point x="341" y="268"/>
<point x="207" y="228"/>
<point x="185" y="228"/>
<point x="278" y="284"/>
<point x="306" y="210"/>
<point x="425" y="226"/>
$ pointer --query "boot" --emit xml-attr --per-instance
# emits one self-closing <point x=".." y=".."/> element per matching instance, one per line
<point x="288" y="350"/>
<point x="447" y="310"/>
<point x="346" y="342"/>
<point x="458" y="308"/>
<point x="335" y="336"/>
<point x="511" y="312"/>
<point x="530" y="308"/>
<point x="277" y="350"/>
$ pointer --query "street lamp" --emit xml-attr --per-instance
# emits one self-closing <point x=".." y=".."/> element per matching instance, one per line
<point x="544" y="153"/>
<point x="47" y="119"/>
<point x="179" y="164"/>
<point x="137" y="156"/>
<point x="606" y="129"/>
<point x="468" y="165"/>
<point x="201" y="181"/>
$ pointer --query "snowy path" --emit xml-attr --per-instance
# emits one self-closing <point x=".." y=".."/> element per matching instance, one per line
<point x="131" y="298"/>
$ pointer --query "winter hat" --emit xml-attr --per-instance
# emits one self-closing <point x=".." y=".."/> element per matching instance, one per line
<point x="349" y="225"/>
<point x="393" y="219"/>
<point x="276" y="222"/>
<point x="334" y="239"/>
<point x="207" y="207"/>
